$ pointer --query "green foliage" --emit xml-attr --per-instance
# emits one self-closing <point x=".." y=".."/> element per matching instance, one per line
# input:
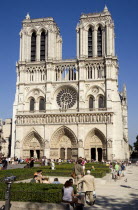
<point x="34" y="192"/>
<point x="61" y="170"/>
<point x="136" y="144"/>
<point x="43" y="192"/>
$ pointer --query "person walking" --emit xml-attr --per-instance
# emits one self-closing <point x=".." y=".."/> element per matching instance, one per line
<point x="78" y="169"/>
<point x="88" y="187"/>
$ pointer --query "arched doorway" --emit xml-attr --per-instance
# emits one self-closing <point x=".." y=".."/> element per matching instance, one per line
<point x="95" y="145"/>
<point x="33" y="146"/>
<point x="63" y="144"/>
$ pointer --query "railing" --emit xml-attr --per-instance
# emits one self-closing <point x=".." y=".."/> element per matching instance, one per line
<point x="66" y="118"/>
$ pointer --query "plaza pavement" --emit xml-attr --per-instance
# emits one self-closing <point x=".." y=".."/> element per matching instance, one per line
<point x="110" y="194"/>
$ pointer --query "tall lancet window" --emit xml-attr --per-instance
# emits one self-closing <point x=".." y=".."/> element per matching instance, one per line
<point x="32" y="104"/>
<point x="90" y="53"/>
<point x="91" y="103"/>
<point x="99" y="42"/>
<point x="42" y="104"/>
<point x="33" y="47"/>
<point x="101" y="102"/>
<point x="42" y="47"/>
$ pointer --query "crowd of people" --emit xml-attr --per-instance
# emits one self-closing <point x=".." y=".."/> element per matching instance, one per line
<point x="84" y="193"/>
<point x="84" y="190"/>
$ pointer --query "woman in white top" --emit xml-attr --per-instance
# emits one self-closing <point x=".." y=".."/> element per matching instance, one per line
<point x="68" y="193"/>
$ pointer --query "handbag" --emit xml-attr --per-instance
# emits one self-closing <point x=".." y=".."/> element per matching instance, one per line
<point x="73" y="175"/>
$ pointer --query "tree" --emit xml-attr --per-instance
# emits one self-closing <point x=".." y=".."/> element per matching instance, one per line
<point x="130" y="147"/>
<point x="136" y="144"/>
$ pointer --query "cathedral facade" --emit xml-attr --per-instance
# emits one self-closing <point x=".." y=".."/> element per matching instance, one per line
<point x="69" y="108"/>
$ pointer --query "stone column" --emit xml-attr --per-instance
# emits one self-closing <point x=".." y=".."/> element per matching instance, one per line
<point x="85" y="43"/>
<point x="96" y="150"/>
<point x="65" y="153"/>
<point x="94" y="42"/>
<point x="113" y="41"/>
<point x="29" y="48"/>
<point x="35" y="154"/>
<point x="81" y="43"/>
<point x="38" y="47"/>
<point x="78" y="43"/>
<point x="23" y="47"/>
<point x="107" y="41"/>
<point x="20" y="56"/>
<point x="46" y="46"/>
<point x="80" y="149"/>
<point x="47" y="149"/>
<point x="103" y="41"/>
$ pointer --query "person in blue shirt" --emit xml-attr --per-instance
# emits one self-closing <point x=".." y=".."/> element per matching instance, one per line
<point x="56" y="181"/>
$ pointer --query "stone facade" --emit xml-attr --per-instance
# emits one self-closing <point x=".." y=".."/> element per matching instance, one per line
<point x="5" y="137"/>
<point x="69" y="108"/>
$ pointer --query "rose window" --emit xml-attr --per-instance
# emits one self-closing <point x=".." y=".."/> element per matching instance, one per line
<point x="66" y="98"/>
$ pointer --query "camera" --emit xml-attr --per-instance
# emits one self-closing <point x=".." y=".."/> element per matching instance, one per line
<point x="10" y="179"/>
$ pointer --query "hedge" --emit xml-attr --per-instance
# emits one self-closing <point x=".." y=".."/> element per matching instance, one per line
<point x="33" y="192"/>
<point x="61" y="170"/>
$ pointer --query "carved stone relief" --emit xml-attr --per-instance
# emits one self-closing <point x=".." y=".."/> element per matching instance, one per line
<point x="95" y="90"/>
<point x="53" y="153"/>
<point x="64" y="142"/>
<point x="87" y="153"/>
<point x="93" y="141"/>
<point x="80" y="143"/>
<point x="36" y="92"/>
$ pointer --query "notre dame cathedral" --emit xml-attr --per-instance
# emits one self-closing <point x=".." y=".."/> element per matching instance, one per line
<point x="69" y="108"/>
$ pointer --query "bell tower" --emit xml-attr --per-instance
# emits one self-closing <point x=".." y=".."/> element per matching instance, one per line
<point x="40" y="40"/>
<point x="95" y="35"/>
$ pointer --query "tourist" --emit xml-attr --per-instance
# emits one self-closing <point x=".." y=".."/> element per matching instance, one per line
<point x="1" y="166"/>
<point x="39" y="175"/>
<point x="4" y="164"/>
<point x="32" y="163"/>
<point x="83" y="165"/>
<point x="56" y="181"/>
<point x="46" y="180"/>
<point x="78" y="170"/>
<point x="68" y="194"/>
<point x="46" y="162"/>
<point x="35" y="179"/>
<point x="123" y="168"/>
<point x="93" y="169"/>
<point x="116" y="172"/>
<point x="119" y="171"/>
<point x="27" y="165"/>
<point x="52" y="165"/>
<point x="88" y="187"/>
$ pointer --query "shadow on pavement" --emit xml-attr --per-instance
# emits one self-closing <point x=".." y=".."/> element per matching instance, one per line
<point x="113" y="203"/>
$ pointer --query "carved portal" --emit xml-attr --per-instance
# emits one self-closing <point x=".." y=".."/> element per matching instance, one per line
<point x="95" y="139"/>
<point x="33" y="145"/>
<point x="64" y="139"/>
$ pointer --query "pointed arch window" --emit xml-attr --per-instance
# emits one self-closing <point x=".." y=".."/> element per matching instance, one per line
<point x="99" y="42"/>
<point x="33" y="46"/>
<point x="90" y="53"/>
<point x="101" y="102"/>
<point x="32" y="104"/>
<point x="42" y="104"/>
<point x="42" y="47"/>
<point x="91" y="103"/>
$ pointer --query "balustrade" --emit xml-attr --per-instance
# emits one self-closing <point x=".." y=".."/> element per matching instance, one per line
<point x="105" y="117"/>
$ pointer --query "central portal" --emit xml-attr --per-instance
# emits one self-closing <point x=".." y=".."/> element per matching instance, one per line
<point x="64" y="144"/>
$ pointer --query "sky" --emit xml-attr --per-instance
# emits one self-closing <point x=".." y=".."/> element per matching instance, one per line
<point x="66" y="14"/>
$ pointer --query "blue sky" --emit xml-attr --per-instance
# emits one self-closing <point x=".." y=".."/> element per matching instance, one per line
<point x="66" y="14"/>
